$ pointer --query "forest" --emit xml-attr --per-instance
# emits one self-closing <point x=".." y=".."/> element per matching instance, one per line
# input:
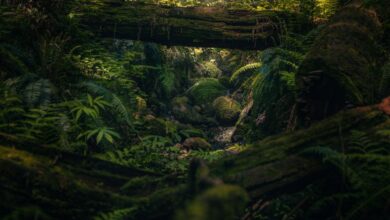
<point x="195" y="109"/>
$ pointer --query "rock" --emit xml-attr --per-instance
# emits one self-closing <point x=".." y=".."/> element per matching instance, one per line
<point x="196" y="143"/>
<point x="184" y="112"/>
<point x="179" y="146"/>
<point x="385" y="105"/>
<point x="227" y="110"/>
<point x="207" y="69"/>
<point x="149" y="117"/>
<point x="197" y="108"/>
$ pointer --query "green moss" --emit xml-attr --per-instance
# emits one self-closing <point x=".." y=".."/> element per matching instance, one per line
<point x="196" y="143"/>
<point x="277" y="147"/>
<point x="338" y="70"/>
<point x="206" y="90"/>
<point x="227" y="110"/>
<point x="221" y="202"/>
<point x="183" y="111"/>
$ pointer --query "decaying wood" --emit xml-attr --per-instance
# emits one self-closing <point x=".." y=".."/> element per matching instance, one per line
<point x="190" y="26"/>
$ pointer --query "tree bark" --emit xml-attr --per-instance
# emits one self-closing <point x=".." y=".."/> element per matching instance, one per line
<point x="190" y="26"/>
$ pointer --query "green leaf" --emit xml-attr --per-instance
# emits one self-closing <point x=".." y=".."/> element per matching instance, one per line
<point x="100" y="136"/>
<point x="90" y="100"/>
<point x="109" y="138"/>
<point x="91" y="133"/>
<point x="78" y="114"/>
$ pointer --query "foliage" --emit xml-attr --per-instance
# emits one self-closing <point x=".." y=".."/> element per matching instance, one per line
<point x="118" y="214"/>
<point x="384" y="82"/>
<point x="220" y="202"/>
<point x="167" y="82"/>
<point x="102" y="133"/>
<point x="206" y="90"/>
<point x="245" y="69"/>
<point x="364" y="174"/>
<point x="273" y="86"/>
<point x="63" y="87"/>
<point x="227" y="110"/>
<point x="154" y="153"/>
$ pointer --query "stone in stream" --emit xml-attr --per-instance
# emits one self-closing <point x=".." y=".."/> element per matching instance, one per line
<point x="184" y="112"/>
<point x="196" y="143"/>
<point x="223" y="135"/>
<point x="227" y="110"/>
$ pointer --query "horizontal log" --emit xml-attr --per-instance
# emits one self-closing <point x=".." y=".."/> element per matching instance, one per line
<point x="189" y="26"/>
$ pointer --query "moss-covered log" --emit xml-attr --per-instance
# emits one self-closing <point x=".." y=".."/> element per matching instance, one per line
<point x="339" y="70"/>
<point x="67" y="186"/>
<point x="190" y="26"/>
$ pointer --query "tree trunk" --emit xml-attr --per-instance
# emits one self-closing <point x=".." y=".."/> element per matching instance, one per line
<point x="68" y="186"/>
<point x="190" y="26"/>
<point x="339" y="70"/>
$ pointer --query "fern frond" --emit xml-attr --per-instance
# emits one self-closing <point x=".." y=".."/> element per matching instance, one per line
<point x="206" y="90"/>
<point x="118" y="214"/>
<point x="167" y="81"/>
<point x="384" y="82"/>
<point x="39" y="92"/>
<point x="245" y="69"/>
<point x="116" y="103"/>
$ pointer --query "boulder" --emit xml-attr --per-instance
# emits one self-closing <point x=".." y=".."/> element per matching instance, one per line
<point x="184" y="112"/>
<point x="196" y="143"/>
<point x="227" y="110"/>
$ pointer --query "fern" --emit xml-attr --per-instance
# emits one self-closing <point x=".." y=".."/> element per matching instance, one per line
<point x="39" y="92"/>
<point x="11" y="64"/>
<point x="327" y="7"/>
<point x="88" y="108"/>
<point x="100" y="134"/>
<point x="167" y="81"/>
<point x="206" y="90"/>
<point x="118" y="214"/>
<point x="384" y="82"/>
<point x="273" y="91"/>
<point x="245" y="69"/>
<point x="364" y="170"/>
<point x="116" y="103"/>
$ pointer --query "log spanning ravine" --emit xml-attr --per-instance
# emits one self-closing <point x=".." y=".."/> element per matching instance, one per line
<point x="192" y="26"/>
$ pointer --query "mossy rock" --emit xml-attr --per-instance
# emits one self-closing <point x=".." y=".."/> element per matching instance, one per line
<point x="208" y="69"/>
<point x="226" y="109"/>
<point x="184" y="112"/>
<point x="221" y="202"/>
<point x="204" y="91"/>
<point x="196" y="143"/>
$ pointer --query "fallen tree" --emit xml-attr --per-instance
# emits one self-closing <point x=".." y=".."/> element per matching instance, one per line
<point x="189" y="26"/>
<point x="68" y="186"/>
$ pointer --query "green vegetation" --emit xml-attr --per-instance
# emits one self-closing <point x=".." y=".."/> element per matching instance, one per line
<point x="95" y="124"/>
